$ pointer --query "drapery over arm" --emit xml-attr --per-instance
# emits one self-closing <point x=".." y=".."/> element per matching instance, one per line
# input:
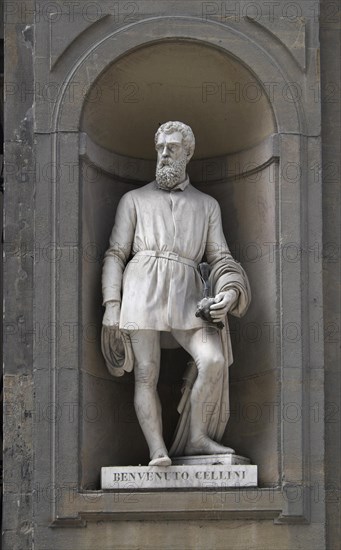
<point x="226" y="273"/>
<point x="117" y="255"/>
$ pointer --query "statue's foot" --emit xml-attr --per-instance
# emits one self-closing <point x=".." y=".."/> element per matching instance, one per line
<point x="160" y="457"/>
<point x="206" y="446"/>
<point x="160" y="461"/>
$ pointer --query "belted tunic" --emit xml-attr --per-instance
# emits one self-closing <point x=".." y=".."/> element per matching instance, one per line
<point x="159" y="238"/>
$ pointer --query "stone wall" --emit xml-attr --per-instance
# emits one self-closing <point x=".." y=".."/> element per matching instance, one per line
<point x="55" y="58"/>
<point x="330" y="87"/>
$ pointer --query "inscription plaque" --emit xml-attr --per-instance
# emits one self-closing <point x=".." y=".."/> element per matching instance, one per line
<point x="178" y="477"/>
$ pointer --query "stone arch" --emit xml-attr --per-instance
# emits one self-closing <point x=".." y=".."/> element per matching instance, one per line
<point x="289" y="115"/>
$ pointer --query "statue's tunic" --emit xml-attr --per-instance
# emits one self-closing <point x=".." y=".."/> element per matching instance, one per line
<point x="157" y="242"/>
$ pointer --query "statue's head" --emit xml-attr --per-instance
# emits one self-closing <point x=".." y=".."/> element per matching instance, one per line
<point x="174" y="143"/>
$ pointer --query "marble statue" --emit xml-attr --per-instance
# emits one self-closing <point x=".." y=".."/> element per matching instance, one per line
<point x="151" y="284"/>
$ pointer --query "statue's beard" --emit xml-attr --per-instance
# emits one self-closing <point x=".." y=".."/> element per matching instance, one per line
<point x="169" y="173"/>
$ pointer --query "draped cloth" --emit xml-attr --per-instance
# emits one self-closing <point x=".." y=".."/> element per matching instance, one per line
<point x="150" y="268"/>
<point x="227" y="273"/>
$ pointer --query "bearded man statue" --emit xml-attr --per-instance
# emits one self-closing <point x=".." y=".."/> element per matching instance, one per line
<point x="151" y="284"/>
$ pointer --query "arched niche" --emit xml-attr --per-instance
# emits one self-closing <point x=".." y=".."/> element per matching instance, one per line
<point x="225" y="105"/>
<point x="236" y="162"/>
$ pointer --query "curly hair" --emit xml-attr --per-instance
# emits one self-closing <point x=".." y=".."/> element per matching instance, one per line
<point x="186" y="131"/>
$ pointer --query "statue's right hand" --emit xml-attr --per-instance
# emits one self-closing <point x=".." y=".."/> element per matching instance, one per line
<point x="111" y="317"/>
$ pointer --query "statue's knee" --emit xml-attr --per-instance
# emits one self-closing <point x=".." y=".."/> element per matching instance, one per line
<point x="213" y="365"/>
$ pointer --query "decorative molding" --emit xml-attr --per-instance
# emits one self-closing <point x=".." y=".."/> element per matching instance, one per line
<point x="70" y="33"/>
<point x="247" y="503"/>
<point x="290" y="33"/>
<point x="253" y="56"/>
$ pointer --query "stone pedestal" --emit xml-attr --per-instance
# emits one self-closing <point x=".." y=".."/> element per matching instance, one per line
<point x="195" y="472"/>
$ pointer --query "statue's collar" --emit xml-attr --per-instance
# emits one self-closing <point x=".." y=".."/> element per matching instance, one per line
<point x="180" y="187"/>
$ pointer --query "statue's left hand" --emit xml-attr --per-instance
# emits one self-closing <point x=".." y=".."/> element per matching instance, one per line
<point x="223" y="303"/>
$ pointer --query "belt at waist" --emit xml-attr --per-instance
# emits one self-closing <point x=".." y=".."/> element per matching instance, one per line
<point x="167" y="256"/>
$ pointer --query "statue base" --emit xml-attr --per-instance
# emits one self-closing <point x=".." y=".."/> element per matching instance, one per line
<point x="188" y="472"/>
<point x="228" y="459"/>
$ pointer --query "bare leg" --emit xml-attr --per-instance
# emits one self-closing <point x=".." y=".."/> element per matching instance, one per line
<point x="209" y="359"/>
<point x="146" y="347"/>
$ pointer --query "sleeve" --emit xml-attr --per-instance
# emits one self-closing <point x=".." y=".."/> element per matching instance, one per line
<point x="216" y="246"/>
<point x="226" y="273"/>
<point x="116" y="257"/>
